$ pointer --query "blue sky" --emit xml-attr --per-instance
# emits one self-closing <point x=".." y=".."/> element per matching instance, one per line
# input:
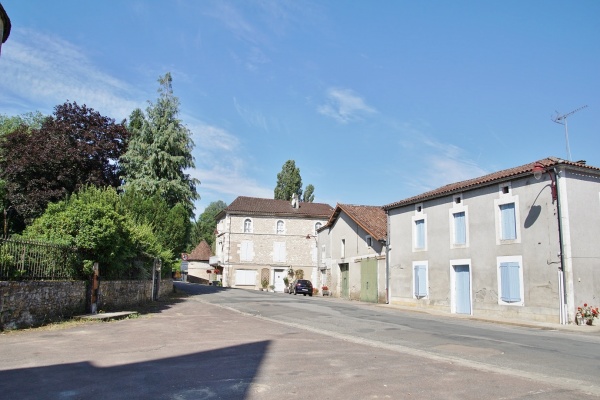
<point x="375" y="101"/>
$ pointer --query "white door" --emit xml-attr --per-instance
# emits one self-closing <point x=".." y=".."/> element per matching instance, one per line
<point x="278" y="275"/>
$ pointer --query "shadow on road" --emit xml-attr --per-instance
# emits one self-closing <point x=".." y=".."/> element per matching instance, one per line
<point x="225" y="373"/>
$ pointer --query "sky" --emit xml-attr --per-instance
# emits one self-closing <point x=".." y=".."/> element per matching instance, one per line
<point x="375" y="101"/>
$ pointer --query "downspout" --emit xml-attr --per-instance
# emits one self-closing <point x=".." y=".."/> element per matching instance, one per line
<point x="387" y="259"/>
<point x="564" y="317"/>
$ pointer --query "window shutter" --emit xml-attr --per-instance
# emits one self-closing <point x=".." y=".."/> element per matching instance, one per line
<point x="510" y="282"/>
<point x="460" y="228"/>
<point x="420" y="234"/>
<point x="507" y="217"/>
<point x="420" y="281"/>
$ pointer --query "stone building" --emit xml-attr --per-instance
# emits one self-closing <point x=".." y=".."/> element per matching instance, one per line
<point x="259" y="240"/>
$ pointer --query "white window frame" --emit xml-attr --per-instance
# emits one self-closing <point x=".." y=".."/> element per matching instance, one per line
<point x="415" y="219"/>
<point x="343" y="249"/>
<point x="277" y="227"/>
<point x="250" y="227"/>
<point x="416" y="264"/>
<point x="246" y="250"/>
<point x="458" y="207"/>
<point x="510" y="259"/>
<point x="505" y="199"/>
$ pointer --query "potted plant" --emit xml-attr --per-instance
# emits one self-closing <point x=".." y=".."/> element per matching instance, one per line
<point x="264" y="283"/>
<point x="286" y="282"/>
<point x="272" y="287"/>
<point x="325" y="289"/>
<point x="586" y="314"/>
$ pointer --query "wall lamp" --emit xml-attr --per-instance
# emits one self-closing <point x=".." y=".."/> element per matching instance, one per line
<point x="538" y="170"/>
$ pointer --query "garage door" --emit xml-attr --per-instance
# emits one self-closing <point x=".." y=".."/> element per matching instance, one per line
<point x="368" y="280"/>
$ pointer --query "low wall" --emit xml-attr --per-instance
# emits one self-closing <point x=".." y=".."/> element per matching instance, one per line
<point x="33" y="303"/>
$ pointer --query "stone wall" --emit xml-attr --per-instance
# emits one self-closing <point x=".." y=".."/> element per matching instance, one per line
<point x="34" y="303"/>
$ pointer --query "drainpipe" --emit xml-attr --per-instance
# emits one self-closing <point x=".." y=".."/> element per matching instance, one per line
<point x="387" y="259"/>
<point x="564" y="314"/>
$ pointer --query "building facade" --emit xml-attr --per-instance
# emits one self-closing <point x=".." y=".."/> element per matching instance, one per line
<point x="260" y="240"/>
<point x="519" y="243"/>
<point x="352" y="253"/>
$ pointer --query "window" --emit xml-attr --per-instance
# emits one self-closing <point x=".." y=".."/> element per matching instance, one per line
<point x="318" y="226"/>
<point x="507" y="216"/>
<point x="247" y="225"/>
<point x="246" y="250"/>
<point x="460" y="228"/>
<point x="245" y="277"/>
<point x="343" y="248"/>
<point x="278" y="251"/>
<point x="508" y="225"/>
<point x="420" y="279"/>
<point x="280" y="227"/>
<point x="369" y="241"/>
<point x="510" y="280"/>
<point x="419" y="234"/>
<point x="323" y="254"/>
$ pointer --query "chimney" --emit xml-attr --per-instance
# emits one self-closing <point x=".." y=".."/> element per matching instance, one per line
<point x="295" y="203"/>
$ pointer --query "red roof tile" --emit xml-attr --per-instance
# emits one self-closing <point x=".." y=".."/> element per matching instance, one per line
<point x="202" y="252"/>
<point x="489" y="179"/>
<point x="259" y="206"/>
<point x="370" y="218"/>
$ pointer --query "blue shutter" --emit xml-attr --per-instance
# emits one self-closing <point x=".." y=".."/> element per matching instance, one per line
<point x="460" y="228"/>
<point x="420" y="281"/>
<point x="508" y="221"/>
<point x="510" y="282"/>
<point x="420" y="234"/>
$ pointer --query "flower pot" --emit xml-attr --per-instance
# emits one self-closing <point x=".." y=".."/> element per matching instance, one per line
<point x="590" y="321"/>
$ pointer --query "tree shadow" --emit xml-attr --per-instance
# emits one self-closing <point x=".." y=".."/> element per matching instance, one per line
<point x="225" y="373"/>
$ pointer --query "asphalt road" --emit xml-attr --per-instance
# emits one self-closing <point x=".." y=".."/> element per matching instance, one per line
<point x="237" y="344"/>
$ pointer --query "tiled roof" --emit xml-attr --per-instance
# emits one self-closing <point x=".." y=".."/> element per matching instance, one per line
<point x="489" y="179"/>
<point x="370" y="218"/>
<point x="259" y="206"/>
<point x="202" y="252"/>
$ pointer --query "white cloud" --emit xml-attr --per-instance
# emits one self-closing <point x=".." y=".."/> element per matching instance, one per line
<point x="221" y="165"/>
<point x="344" y="106"/>
<point x="252" y="118"/>
<point x="45" y="70"/>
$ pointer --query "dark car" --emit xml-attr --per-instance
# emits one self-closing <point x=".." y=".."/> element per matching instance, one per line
<point x="302" y="286"/>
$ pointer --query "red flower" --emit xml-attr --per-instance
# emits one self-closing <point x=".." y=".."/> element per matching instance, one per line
<point x="585" y="304"/>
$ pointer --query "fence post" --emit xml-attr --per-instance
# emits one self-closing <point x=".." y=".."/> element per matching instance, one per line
<point x="95" y="289"/>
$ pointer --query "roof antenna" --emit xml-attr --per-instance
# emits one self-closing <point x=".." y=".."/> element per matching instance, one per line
<point x="562" y="119"/>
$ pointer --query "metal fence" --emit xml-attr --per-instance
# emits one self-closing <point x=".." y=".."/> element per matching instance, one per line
<point x="32" y="260"/>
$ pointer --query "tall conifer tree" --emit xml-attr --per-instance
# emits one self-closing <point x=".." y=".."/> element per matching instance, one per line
<point x="160" y="151"/>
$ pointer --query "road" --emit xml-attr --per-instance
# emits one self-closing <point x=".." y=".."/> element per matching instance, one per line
<point x="569" y="358"/>
<point x="235" y="344"/>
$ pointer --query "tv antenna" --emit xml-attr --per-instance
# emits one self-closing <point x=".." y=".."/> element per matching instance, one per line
<point x="562" y="119"/>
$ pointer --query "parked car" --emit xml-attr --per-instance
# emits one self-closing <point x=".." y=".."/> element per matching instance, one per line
<point x="302" y="286"/>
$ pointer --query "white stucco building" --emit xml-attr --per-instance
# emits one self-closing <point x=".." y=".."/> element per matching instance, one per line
<point x="519" y="243"/>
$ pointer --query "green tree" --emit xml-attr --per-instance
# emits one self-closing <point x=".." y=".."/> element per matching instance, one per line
<point x="204" y="228"/>
<point x="160" y="151"/>
<point x="94" y="220"/>
<point x="309" y="196"/>
<point x="288" y="182"/>
<point x="74" y="147"/>
<point x="170" y="225"/>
